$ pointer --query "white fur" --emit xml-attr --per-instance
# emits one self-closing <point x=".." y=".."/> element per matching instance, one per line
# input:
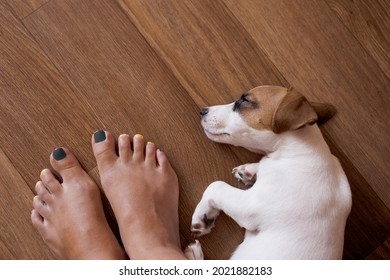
<point x="299" y="204"/>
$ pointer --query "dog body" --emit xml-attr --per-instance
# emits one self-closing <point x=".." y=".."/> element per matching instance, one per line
<point x="300" y="199"/>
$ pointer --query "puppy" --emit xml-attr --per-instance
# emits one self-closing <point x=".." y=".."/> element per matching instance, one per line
<point x="300" y="199"/>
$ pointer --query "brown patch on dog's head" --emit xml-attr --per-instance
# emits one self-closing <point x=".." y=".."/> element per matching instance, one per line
<point x="280" y="109"/>
<point x="257" y="107"/>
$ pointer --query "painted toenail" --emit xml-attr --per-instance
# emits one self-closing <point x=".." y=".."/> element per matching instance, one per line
<point x="59" y="154"/>
<point x="36" y="185"/>
<point x="99" y="136"/>
<point x="139" y="136"/>
<point x="43" y="170"/>
<point x="150" y="142"/>
<point x="124" y="134"/>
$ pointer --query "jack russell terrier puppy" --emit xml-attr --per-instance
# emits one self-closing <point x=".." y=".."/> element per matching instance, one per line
<point x="300" y="199"/>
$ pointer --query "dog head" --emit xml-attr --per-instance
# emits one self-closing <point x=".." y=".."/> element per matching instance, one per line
<point x="260" y="115"/>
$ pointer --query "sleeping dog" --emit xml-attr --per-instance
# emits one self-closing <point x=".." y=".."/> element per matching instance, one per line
<point x="300" y="199"/>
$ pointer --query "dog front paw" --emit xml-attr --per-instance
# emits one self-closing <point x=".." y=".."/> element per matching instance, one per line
<point x="245" y="174"/>
<point x="203" y="219"/>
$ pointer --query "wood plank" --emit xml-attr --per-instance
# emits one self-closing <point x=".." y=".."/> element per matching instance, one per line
<point x="18" y="238"/>
<point x="328" y="65"/>
<point x="381" y="253"/>
<point x="38" y="111"/>
<point x="204" y="46"/>
<point x="25" y="7"/>
<point x="130" y="89"/>
<point x="369" y="22"/>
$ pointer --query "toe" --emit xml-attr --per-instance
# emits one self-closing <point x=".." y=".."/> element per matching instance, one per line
<point x="124" y="147"/>
<point x="40" y="206"/>
<point x="139" y="148"/>
<point x="65" y="163"/>
<point x="150" y="154"/>
<point x="162" y="160"/>
<point x="50" y="182"/>
<point x="37" y="221"/>
<point x="43" y="192"/>
<point x="103" y="145"/>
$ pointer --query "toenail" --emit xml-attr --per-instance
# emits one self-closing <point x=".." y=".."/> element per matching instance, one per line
<point x="139" y="136"/>
<point x="59" y="154"/>
<point x="99" y="136"/>
<point x="36" y="185"/>
<point x="150" y="143"/>
<point x="43" y="170"/>
<point x="124" y="134"/>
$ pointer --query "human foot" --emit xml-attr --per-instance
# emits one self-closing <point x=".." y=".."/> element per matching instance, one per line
<point x="69" y="215"/>
<point x="143" y="191"/>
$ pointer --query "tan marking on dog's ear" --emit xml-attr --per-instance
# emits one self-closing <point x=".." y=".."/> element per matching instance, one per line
<point x="267" y="99"/>
<point x="293" y="112"/>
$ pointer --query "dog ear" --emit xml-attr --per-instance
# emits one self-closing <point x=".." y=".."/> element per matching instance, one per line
<point x="293" y="112"/>
<point x="325" y="111"/>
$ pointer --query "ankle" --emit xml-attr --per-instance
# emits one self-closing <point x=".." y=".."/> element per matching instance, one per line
<point x="157" y="252"/>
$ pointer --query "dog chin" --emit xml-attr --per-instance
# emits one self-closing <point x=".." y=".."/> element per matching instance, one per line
<point x="216" y="136"/>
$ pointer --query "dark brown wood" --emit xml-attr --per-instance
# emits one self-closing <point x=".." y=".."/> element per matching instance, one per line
<point x="204" y="46"/>
<point x="369" y="22"/>
<point x="38" y="110"/>
<point x="381" y="253"/>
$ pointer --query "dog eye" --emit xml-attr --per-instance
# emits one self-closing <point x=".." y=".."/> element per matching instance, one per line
<point x="239" y="102"/>
<point x="244" y="99"/>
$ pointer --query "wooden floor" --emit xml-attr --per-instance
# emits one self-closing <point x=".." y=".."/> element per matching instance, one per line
<point x="71" y="67"/>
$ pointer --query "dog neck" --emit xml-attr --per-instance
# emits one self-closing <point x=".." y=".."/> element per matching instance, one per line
<point x="301" y="142"/>
<point x="290" y="144"/>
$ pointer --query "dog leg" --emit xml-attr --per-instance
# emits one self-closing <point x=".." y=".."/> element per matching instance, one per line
<point x="219" y="196"/>
<point x="246" y="173"/>
<point x="194" y="251"/>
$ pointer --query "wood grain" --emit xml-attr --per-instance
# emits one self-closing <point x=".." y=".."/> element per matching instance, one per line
<point x="112" y="67"/>
<point x="205" y="47"/>
<point x="328" y="65"/>
<point x="18" y="238"/>
<point x="25" y="7"/>
<point x="381" y="253"/>
<point x="38" y="111"/>
<point x="369" y="22"/>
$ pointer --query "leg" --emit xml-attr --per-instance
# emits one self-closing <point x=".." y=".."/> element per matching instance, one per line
<point x="69" y="215"/>
<point x="220" y="196"/>
<point x="143" y="191"/>
<point x="246" y="173"/>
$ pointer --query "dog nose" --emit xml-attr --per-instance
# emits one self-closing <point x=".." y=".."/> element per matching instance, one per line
<point x="204" y="112"/>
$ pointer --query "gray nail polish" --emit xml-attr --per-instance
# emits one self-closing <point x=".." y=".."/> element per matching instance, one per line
<point x="59" y="154"/>
<point x="99" y="136"/>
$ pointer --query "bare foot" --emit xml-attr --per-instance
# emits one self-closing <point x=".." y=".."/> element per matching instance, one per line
<point x="143" y="191"/>
<point x="70" y="216"/>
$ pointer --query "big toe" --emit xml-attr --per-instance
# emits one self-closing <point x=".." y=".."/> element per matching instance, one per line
<point x="103" y="146"/>
<point x="65" y="163"/>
